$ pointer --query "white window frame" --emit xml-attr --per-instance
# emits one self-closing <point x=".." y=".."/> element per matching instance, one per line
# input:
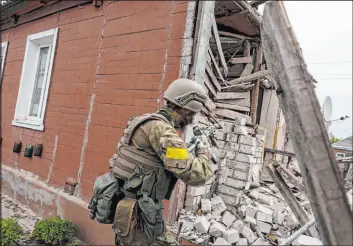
<point x="4" y="51"/>
<point x="340" y="153"/>
<point x="28" y="78"/>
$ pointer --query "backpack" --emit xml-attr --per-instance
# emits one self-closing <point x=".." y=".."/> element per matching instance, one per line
<point x="106" y="195"/>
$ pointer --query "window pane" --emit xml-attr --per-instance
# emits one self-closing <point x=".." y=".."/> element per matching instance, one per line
<point x="39" y="80"/>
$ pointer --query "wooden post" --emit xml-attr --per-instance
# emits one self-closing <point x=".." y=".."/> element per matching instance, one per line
<point x="256" y="89"/>
<point x="306" y="127"/>
<point x="205" y="17"/>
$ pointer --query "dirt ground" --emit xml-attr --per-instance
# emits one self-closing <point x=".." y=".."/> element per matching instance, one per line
<point x="26" y="218"/>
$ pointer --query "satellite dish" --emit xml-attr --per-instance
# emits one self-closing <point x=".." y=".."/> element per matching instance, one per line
<point x="327" y="108"/>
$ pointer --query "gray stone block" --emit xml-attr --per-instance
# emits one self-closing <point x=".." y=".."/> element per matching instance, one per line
<point x="228" y="218"/>
<point x="232" y="236"/>
<point x="248" y="234"/>
<point x="264" y="217"/>
<point x="217" y="230"/>
<point x="221" y="241"/>
<point x="202" y="224"/>
<point x="264" y="227"/>
<point x="240" y="175"/>
<point x="206" y="205"/>
<point x="235" y="183"/>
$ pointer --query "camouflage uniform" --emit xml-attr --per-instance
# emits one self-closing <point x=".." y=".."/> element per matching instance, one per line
<point x="157" y="138"/>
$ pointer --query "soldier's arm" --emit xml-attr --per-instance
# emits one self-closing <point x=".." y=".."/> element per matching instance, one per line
<point x="173" y="152"/>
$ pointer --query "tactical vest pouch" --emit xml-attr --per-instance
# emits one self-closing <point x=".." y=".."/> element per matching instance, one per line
<point x="105" y="197"/>
<point x="151" y="215"/>
<point x="125" y="220"/>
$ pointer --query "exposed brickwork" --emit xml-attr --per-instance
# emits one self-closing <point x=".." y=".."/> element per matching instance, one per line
<point x="125" y="54"/>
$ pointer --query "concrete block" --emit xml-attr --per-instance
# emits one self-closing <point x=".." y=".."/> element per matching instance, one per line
<point x="192" y="201"/>
<point x="229" y="200"/>
<point x="223" y="175"/>
<point x="206" y="206"/>
<point x="247" y="149"/>
<point x="243" y="130"/>
<point x="232" y="147"/>
<point x="279" y="216"/>
<point x="260" y="138"/>
<point x="209" y="216"/>
<point x="228" y="218"/>
<point x="254" y="194"/>
<point x="202" y="224"/>
<point x="264" y="227"/>
<point x="250" y="220"/>
<point x="244" y="158"/>
<point x="235" y="183"/>
<point x="240" y="175"/>
<point x="290" y="221"/>
<point x="241" y="166"/>
<point x="196" y="191"/>
<point x="250" y="211"/>
<point x="191" y="209"/>
<point x="306" y="240"/>
<point x="260" y="131"/>
<point x="216" y="217"/>
<point x="216" y="200"/>
<point x="220" y="134"/>
<point x="248" y="234"/>
<point x="220" y="143"/>
<point x="218" y="206"/>
<point x="264" y="217"/>
<point x="242" y="242"/>
<point x="221" y="241"/>
<point x="228" y="190"/>
<point x="227" y="125"/>
<point x="233" y="137"/>
<point x="217" y="230"/>
<point x="265" y="209"/>
<point x="187" y="225"/>
<point x="232" y="236"/>
<point x="261" y="241"/>
<point x="238" y="225"/>
<point x="247" y="139"/>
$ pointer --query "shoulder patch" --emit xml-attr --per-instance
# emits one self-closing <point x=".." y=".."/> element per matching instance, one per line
<point x="176" y="153"/>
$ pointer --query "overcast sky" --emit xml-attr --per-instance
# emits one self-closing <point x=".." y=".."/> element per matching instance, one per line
<point x="324" y="31"/>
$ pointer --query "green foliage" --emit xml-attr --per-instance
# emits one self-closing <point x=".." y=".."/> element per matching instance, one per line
<point x="334" y="139"/>
<point x="53" y="231"/>
<point x="10" y="231"/>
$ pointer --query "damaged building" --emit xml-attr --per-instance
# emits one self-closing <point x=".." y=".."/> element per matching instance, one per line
<point x="101" y="62"/>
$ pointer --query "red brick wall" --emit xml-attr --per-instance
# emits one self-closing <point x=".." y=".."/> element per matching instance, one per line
<point x="125" y="71"/>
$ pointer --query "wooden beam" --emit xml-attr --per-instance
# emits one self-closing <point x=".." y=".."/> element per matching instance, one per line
<point x="232" y="106"/>
<point x="213" y="78"/>
<point x="303" y="117"/>
<point x="291" y="178"/>
<point x="210" y="86"/>
<point x="256" y="90"/>
<point x="215" y="64"/>
<point x="248" y="78"/>
<point x="235" y="88"/>
<point x="205" y="16"/>
<point x="252" y="13"/>
<point x="287" y="194"/>
<point x="234" y="35"/>
<point x="245" y="102"/>
<point x="247" y="48"/>
<point x="232" y="95"/>
<point x="219" y="46"/>
<point x="247" y="70"/>
<point x="238" y="60"/>
<point x="229" y="114"/>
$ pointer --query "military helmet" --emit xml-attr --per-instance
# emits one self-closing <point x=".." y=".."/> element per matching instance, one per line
<point x="186" y="94"/>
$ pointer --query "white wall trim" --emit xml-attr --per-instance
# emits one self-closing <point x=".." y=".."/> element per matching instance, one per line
<point x="3" y="47"/>
<point x="23" y="103"/>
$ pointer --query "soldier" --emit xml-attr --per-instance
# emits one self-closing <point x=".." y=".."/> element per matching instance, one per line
<point x="150" y="158"/>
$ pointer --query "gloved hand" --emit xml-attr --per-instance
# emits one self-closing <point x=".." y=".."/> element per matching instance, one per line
<point x="202" y="146"/>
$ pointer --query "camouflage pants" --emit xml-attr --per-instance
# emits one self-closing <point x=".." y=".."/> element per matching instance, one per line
<point x="140" y="238"/>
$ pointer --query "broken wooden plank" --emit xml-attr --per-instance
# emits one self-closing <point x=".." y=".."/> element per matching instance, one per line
<point x="209" y="86"/>
<point x="247" y="48"/>
<point x="303" y="117"/>
<point x="232" y="106"/>
<point x="229" y="114"/>
<point x="209" y="104"/>
<point x="213" y="78"/>
<point x="235" y="70"/>
<point x="247" y="70"/>
<point x="205" y="14"/>
<point x="219" y="46"/>
<point x="255" y="92"/>
<point x="245" y="102"/>
<point x="238" y="60"/>
<point x="291" y="178"/>
<point x="248" y="78"/>
<point x="215" y="64"/>
<point x="238" y="87"/>
<point x="234" y="35"/>
<point x="253" y="15"/>
<point x="232" y="95"/>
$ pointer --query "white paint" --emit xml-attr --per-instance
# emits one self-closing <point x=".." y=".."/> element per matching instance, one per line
<point x="29" y="68"/>
<point x="186" y="51"/>
<point x="3" y="55"/>
<point x="53" y="158"/>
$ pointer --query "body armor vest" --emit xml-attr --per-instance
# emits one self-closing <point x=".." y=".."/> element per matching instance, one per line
<point x="143" y="172"/>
